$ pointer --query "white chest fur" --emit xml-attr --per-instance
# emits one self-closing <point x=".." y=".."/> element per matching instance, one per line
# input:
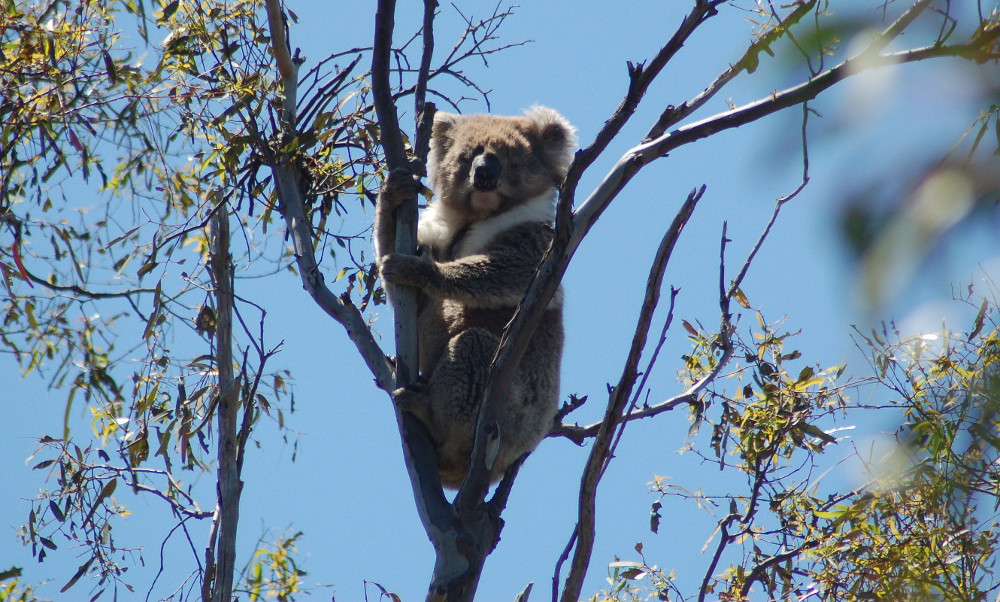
<point x="437" y="225"/>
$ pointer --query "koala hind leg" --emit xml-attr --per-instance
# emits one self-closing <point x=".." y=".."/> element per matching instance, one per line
<point x="452" y="398"/>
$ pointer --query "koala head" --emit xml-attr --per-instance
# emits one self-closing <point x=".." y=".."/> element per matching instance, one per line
<point x="482" y="165"/>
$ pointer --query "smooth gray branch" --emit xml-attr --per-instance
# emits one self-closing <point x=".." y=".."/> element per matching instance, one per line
<point x="223" y="568"/>
<point x="600" y="452"/>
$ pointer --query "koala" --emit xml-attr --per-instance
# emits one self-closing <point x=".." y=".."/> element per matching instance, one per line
<point x="481" y="239"/>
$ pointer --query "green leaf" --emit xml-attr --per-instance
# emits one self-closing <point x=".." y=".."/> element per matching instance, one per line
<point x="741" y="299"/>
<point x="980" y="320"/>
<point x="146" y="268"/>
<point x="169" y="10"/>
<point x="122" y="237"/>
<point x="626" y="564"/>
<point x="56" y="512"/>
<point x="80" y="572"/>
<point x="109" y="488"/>
<point x="109" y="67"/>
<point x="813" y="431"/>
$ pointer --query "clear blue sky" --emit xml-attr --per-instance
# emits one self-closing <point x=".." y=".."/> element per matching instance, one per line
<point x="347" y="489"/>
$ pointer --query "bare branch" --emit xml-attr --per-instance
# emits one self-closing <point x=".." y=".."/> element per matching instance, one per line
<point x="427" y="53"/>
<point x="423" y="111"/>
<point x="131" y="474"/>
<point x="777" y="208"/>
<point x="757" y="573"/>
<point x="563" y="557"/>
<point x="340" y="309"/>
<point x="747" y="62"/>
<point x="404" y="298"/>
<point x="600" y="453"/>
<point x="578" y="434"/>
<point x="82" y="292"/>
<point x="462" y="536"/>
<point x="287" y="179"/>
<point x="640" y="77"/>
<point x="630" y="164"/>
<point x="523" y="595"/>
<point x="287" y="69"/>
<point x="723" y="542"/>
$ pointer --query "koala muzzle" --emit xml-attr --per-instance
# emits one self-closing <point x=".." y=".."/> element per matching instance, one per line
<point x="486" y="172"/>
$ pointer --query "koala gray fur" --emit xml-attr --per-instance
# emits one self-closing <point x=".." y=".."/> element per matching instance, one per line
<point x="482" y="238"/>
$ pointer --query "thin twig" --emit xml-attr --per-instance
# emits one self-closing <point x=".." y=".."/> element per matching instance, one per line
<point x="82" y="292"/>
<point x="748" y="62"/>
<point x="423" y="110"/>
<point x="562" y="559"/>
<point x="640" y="78"/>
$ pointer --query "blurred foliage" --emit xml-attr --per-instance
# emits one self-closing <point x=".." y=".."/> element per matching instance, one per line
<point x="895" y="229"/>
<point x="11" y="589"/>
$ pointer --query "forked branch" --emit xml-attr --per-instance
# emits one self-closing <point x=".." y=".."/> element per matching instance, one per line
<point x="287" y="178"/>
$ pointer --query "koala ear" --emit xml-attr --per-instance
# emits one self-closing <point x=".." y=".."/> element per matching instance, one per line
<point x="557" y="136"/>
<point x="441" y="133"/>
<point x="442" y="137"/>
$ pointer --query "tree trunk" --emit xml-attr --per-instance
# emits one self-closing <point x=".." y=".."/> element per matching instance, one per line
<point x="222" y="567"/>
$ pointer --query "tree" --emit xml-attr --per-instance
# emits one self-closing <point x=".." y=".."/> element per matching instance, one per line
<point x="273" y="149"/>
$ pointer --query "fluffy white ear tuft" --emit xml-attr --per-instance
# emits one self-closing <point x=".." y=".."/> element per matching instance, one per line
<point x="444" y="123"/>
<point x="557" y="135"/>
<point x="441" y="138"/>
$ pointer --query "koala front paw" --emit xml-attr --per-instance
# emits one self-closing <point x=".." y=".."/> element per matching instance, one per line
<point x="414" y="400"/>
<point x="393" y="266"/>
<point x="405" y="269"/>
<point x="399" y="187"/>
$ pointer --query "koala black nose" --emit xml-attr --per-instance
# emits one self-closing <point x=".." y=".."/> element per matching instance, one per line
<point x="486" y="172"/>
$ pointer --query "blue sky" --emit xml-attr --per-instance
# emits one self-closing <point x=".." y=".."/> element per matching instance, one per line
<point x="347" y="489"/>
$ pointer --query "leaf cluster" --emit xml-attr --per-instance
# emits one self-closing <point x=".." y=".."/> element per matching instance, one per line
<point x="923" y="524"/>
